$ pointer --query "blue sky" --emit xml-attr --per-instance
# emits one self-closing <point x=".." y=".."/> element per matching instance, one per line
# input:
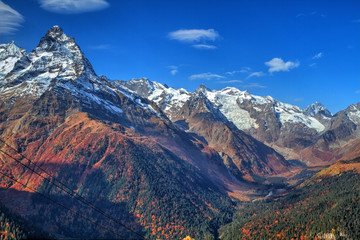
<point x="298" y="51"/>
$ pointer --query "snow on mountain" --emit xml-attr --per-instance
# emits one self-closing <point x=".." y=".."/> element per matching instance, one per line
<point x="240" y="107"/>
<point x="229" y="101"/>
<point x="58" y="64"/>
<point x="317" y="108"/>
<point x="353" y="113"/>
<point x="9" y="55"/>
<point x="170" y="100"/>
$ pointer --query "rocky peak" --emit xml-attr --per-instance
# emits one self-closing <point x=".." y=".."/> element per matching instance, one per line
<point x="9" y="55"/>
<point x="202" y="88"/>
<point x="141" y="86"/>
<point x="11" y="50"/>
<point x="57" y="42"/>
<point x="317" y="108"/>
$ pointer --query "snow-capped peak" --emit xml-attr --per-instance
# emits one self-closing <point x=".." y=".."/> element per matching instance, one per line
<point x="57" y="56"/>
<point x="241" y="107"/>
<point x="316" y="108"/>
<point x="9" y="55"/>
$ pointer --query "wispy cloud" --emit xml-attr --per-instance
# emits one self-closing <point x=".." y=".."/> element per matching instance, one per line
<point x="300" y="99"/>
<point x="357" y="92"/>
<point x="312" y="65"/>
<point x="231" y="81"/>
<point x="173" y="69"/>
<point x="317" y="56"/>
<point x="204" y="46"/>
<point x="356" y="21"/>
<point x="194" y="35"/>
<point x="199" y="38"/>
<point x="206" y="76"/>
<point x="242" y="70"/>
<point x="299" y="15"/>
<point x="253" y="85"/>
<point x="73" y="7"/>
<point x="100" y="47"/>
<point x="10" y="19"/>
<point x="278" y="65"/>
<point x="256" y="74"/>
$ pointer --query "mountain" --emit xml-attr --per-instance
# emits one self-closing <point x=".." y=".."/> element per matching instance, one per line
<point x="285" y="127"/>
<point x="317" y="109"/>
<point x="197" y="115"/>
<point x="339" y="138"/>
<point x="118" y="148"/>
<point x="313" y="136"/>
<point x="165" y="162"/>
<point x="9" y="55"/>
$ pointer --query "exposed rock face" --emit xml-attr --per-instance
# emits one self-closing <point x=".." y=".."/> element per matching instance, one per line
<point x="197" y="114"/>
<point x="317" y="109"/>
<point x="201" y="118"/>
<point x="265" y="118"/>
<point x="312" y="135"/>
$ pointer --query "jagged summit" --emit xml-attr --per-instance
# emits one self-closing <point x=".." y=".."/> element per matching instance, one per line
<point x="202" y="88"/>
<point x="317" y="108"/>
<point x="9" y="55"/>
<point x="56" y="60"/>
<point x="55" y="32"/>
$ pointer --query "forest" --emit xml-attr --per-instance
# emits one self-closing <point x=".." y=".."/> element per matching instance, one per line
<point x="326" y="208"/>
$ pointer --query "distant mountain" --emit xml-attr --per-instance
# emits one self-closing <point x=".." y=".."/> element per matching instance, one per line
<point x="197" y="115"/>
<point x="313" y="135"/>
<point x="9" y="55"/>
<point x="340" y="135"/>
<point x="282" y="126"/>
<point x="317" y="108"/>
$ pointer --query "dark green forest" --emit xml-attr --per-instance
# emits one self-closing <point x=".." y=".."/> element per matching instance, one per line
<point x="330" y="206"/>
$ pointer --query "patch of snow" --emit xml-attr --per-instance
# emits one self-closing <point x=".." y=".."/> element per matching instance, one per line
<point x="7" y="65"/>
<point x="354" y="114"/>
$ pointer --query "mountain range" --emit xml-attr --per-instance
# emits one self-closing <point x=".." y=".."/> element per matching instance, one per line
<point x="167" y="162"/>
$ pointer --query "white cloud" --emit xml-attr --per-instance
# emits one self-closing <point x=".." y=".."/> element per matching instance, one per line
<point x="311" y="14"/>
<point x="231" y="81"/>
<point x="242" y="70"/>
<point x="300" y="15"/>
<point x="317" y="56"/>
<point x="10" y="19"/>
<point x="253" y="85"/>
<point x="278" y="65"/>
<point x="204" y="46"/>
<point x="174" y="69"/>
<point x="100" y="47"/>
<point x="256" y="74"/>
<point x="205" y="76"/>
<point x="312" y="65"/>
<point x="194" y="35"/>
<point x="73" y="6"/>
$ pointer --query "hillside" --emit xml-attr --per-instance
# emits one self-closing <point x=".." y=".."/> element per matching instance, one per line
<point x="325" y="209"/>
